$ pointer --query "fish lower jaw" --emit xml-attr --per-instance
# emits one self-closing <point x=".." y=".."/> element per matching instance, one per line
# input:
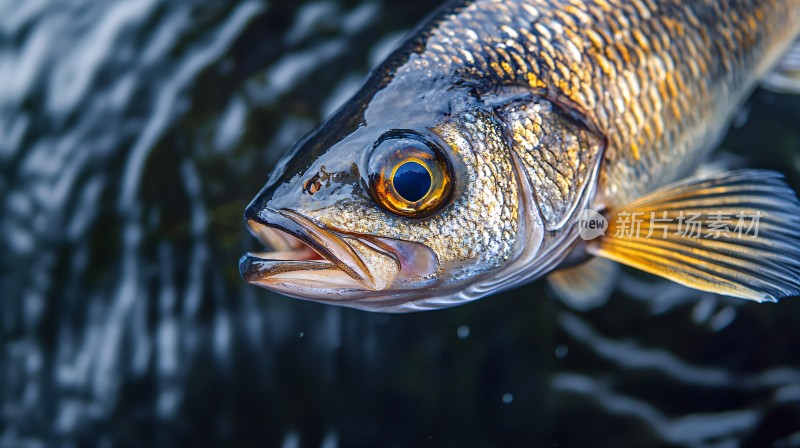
<point x="296" y="274"/>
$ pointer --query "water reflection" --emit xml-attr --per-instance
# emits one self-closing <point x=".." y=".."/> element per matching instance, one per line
<point x="132" y="133"/>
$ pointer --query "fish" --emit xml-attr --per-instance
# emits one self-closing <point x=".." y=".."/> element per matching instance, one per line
<point x="505" y="141"/>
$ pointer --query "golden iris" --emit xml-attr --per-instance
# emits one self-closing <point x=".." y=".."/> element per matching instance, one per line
<point x="409" y="175"/>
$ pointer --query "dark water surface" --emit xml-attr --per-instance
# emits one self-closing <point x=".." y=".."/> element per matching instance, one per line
<point x="132" y="135"/>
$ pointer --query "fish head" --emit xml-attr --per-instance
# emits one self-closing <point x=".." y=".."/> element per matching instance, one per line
<point x="400" y="202"/>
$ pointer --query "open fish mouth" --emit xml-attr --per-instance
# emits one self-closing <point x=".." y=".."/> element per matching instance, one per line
<point x="305" y="257"/>
<point x="308" y="261"/>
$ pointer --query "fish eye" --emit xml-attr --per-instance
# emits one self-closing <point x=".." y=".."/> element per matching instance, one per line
<point x="412" y="181"/>
<point x="409" y="175"/>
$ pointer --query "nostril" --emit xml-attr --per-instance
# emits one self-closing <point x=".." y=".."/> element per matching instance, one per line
<point x="310" y="187"/>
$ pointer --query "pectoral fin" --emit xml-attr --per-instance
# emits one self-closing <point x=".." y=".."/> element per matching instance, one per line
<point x="734" y="233"/>
<point x="586" y="285"/>
<point x="785" y="77"/>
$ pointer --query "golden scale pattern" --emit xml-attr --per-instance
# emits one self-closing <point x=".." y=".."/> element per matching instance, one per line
<point x="656" y="78"/>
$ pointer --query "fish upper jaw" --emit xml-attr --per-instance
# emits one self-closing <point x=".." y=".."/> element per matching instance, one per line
<point x="301" y="250"/>
<point x="308" y="261"/>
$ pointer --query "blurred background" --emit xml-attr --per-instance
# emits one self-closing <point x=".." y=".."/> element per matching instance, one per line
<point x="132" y="135"/>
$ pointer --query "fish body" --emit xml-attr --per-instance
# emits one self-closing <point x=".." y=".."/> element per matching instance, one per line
<point x="461" y="166"/>
<point x="659" y="80"/>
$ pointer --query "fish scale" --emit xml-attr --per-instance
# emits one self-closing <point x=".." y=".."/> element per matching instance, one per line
<point x="657" y="78"/>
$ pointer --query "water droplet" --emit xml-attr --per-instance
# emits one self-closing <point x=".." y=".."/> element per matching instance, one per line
<point x="508" y="398"/>
<point x="463" y="332"/>
<point x="562" y="351"/>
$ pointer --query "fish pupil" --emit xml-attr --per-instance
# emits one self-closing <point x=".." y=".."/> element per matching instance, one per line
<point x="412" y="181"/>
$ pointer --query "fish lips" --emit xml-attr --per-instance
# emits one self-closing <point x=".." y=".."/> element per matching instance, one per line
<point x="311" y="262"/>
